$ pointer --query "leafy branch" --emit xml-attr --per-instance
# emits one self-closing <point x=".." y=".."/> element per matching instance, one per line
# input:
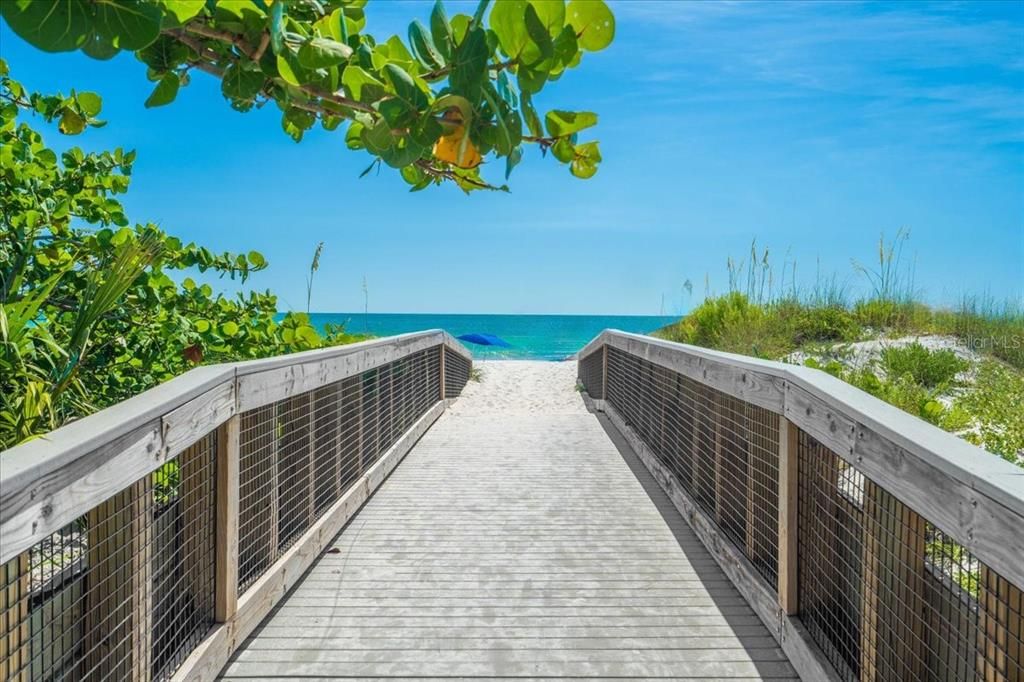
<point x="434" y="105"/>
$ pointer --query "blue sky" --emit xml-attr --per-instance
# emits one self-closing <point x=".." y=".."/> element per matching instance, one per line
<point x="810" y="127"/>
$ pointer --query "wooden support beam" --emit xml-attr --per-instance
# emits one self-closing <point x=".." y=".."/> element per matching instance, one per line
<point x="226" y="537"/>
<point x="119" y="599"/>
<point x="892" y="603"/>
<point x="788" y="531"/>
<point x="1000" y="651"/>
<point x="15" y="588"/>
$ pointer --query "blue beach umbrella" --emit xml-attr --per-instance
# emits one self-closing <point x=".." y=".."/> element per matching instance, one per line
<point x="485" y="340"/>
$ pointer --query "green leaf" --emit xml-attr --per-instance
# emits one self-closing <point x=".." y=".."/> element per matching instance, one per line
<point x="532" y="119"/>
<point x="441" y="31"/>
<point x="240" y="84"/>
<point x="49" y="26"/>
<point x="509" y="125"/>
<point x="563" y="150"/>
<point x="354" y="136"/>
<point x="593" y="22"/>
<point x="551" y="14"/>
<point x="460" y="27"/>
<point x="585" y="164"/>
<point x="229" y="328"/>
<point x="361" y="85"/>
<point x="308" y="335"/>
<point x="300" y="118"/>
<point x="165" y="92"/>
<point x="290" y="70"/>
<point x="71" y="123"/>
<point x="90" y="103"/>
<point x="404" y="87"/>
<point x="183" y="10"/>
<point x="427" y="131"/>
<point x="333" y="26"/>
<point x="297" y="121"/>
<point x="164" y="54"/>
<point x="567" y="49"/>
<point x="562" y="123"/>
<point x="469" y="67"/>
<point x="539" y="49"/>
<point x="397" y="112"/>
<point x="99" y="47"/>
<point x="530" y="80"/>
<point x="423" y="46"/>
<point x="377" y="138"/>
<point x="257" y="260"/>
<point x="129" y="25"/>
<point x="506" y="20"/>
<point x="318" y="53"/>
<point x="513" y="160"/>
<point x="412" y="174"/>
<point x="402" y="152"/>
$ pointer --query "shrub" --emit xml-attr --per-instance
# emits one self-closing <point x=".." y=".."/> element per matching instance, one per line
<point x="826" y="324"/>
<point x="709" y="322"/>
<point x="995" y="405"/>
<point x="925" y="367"/>
<point x="893" y="315"/>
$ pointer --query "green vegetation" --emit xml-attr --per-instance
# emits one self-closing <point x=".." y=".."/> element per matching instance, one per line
<point x="432" y="106"/>
<point x="94" y="309"/>
<point x="929" y="368"/>
<point x="996" y="403"/>
<point x="970" y="381"/>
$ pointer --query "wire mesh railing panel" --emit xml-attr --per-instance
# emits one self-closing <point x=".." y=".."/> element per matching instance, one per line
<point x="723" y="451"/>
<point x="298" y="456"/>
<point x="886" y="595"/>
<point x="456" y="373"/>
<point x="294" y="468"/>
<point x="125" y="591"/>
<point x="591" y="374"/>
<point x="257" y="483"/>
<point x="184" y="565"/>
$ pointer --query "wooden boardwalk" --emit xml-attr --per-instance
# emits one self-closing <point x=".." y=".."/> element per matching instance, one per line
<point x="518" y="539"/>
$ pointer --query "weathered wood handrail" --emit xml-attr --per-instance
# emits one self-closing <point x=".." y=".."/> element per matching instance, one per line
<point x="97" y="494"/>
<point x="918" y="515"/>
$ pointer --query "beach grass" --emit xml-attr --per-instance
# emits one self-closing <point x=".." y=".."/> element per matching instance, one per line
<point x="966" y="374"/>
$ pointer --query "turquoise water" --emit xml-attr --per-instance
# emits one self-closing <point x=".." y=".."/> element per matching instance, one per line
<point x="533" y="337"/>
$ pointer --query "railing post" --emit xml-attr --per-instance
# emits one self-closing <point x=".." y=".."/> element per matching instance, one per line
<point x="788" y="479"/>
<point x="441" y="371"/>
<point x="226" y="539"/>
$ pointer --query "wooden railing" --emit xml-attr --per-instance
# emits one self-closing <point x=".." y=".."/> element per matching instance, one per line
<point x="872" y="544"/>
<point x="148" y="540"/>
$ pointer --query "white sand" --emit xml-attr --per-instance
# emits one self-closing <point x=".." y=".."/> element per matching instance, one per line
<point x="522" y="387"/>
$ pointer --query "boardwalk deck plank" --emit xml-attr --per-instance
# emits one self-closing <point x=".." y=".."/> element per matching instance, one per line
<point x="513" y="543"/>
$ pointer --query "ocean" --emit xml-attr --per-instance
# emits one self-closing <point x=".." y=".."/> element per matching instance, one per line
<point x="533" y="337"/>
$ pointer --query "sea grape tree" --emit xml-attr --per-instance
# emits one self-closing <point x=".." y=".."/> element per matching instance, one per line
<point x="436" y="105"/>
<point x="93" y="308"/>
